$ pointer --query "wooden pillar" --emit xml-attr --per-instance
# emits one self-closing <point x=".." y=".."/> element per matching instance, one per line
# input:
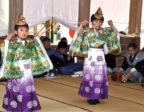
<point x="48" y="25"/>
<point x="15" y="7"/>
<point x="135" y="17"/>
<point x="84" y="10"/>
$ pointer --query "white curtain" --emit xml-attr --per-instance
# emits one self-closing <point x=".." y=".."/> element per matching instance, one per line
<point x="4" y="12"/>
<point x="64" y="11"/>
<point x="37" y="11"/>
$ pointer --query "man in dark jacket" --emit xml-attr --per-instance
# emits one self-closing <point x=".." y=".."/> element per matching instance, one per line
<point x="47" y="45"/>
<point x="133" y="65"/>
<point x="63" y="62"/>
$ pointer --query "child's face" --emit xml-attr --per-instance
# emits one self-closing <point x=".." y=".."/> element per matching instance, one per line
<point x="46" y="45"/>
<point x="22" y="32"/>
<point x="62" y="50"/>
<point x="97" y="24"/>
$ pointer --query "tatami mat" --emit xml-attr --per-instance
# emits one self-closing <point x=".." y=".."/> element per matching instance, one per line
<point x="61" y="95"/>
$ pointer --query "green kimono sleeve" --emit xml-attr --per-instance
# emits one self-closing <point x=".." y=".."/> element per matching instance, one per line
<point x="112" y="42"/>
<point x="40" y="60"/>
<point x="6" y="60"/>
<point x="14" y="51"/>
<point x="79" y="45"/>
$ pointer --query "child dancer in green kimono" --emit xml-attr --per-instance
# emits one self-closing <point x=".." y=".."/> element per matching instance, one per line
<point x="22" y="58"/>
<point x="92" y="43"/>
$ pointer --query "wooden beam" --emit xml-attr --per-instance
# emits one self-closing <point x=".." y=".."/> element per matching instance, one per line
<point x="135" y="17"/>
<point x="15" y="7"/>
<point x="84" y="10"/>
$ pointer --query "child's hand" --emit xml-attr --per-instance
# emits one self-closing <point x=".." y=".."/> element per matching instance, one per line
<point x="84" y="23"/>
<point x="9" y="37"/>
<point x="110" y="23"/>
<point x="68" y="57"/>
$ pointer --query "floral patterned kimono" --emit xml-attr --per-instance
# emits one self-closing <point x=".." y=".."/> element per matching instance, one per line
<point x="92" y="45"/>
<point x="21" y="60"/>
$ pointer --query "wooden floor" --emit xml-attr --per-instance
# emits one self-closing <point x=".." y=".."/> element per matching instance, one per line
<point x="61" y="95"/>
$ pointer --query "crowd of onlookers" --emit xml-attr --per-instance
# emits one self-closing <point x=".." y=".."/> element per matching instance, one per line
<point x="132" y="69"/>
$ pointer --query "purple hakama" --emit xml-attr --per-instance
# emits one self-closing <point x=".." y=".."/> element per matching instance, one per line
<point x="20" y="94"/>
<point x="94" y="84"/>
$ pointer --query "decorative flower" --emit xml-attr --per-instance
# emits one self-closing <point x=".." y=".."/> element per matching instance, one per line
<point x="97" y="90"/>
<point x="30" y="104"/>
<point x="92" y="63"/>
<point x="6" y="101"/>
<point x="13" y="104"/>
<point x="91" y="83"/>
<point x="35" y="103"/>
<point x="19" y="98"/>
<point x="87" y="89"/>
<point x="87" y="76"/>
<point x="9" y="85"/>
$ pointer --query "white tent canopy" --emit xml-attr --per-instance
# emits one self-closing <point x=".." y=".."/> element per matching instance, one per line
<point x="3" y="17"/>
<point x="37" y="12"/>
<point x="66" y="12"/>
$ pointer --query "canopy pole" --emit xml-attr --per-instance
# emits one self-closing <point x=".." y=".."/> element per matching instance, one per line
<point x="84" y="10"/>
<point x="135" y="17"/>
<point x="15" y="7"/>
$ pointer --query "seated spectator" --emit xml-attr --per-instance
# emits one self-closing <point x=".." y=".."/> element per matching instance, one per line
<point x="62" y="61"/>
<point x="133" y="65"/>
<point x="65" y="40"/>
<point x="73" y="58"/>
<point x="46" y="43"/>
<point x="50" y="51"/>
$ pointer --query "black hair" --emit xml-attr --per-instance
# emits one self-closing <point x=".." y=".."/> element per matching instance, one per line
<point x="62" y="44"/>
<point x="17" y="26"/>
<point x="45" y="39"/>
<point x="63" y="39"/>
<point x="93" y="18"/>
<point x="133" y="46"/>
